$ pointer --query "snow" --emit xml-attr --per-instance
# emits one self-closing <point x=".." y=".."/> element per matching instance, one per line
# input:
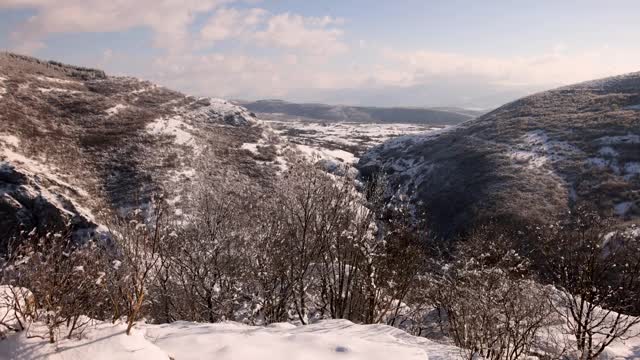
<point x="174" y="126"/>
<point x="253" y="147"/>
<point x="621" y="139"/>
<point x="10" y="140"/>
<point x="622" y="208"/>
<point x="327" y="154"/>
<point x="608" y="151"/>
<point x="347" y="133"/>
<point x="48" y="90"/>
<point x="599" y="163"/>
<point x="534" y="160"/>
<point x="326" y="340"/>
<point x="143" y="89"/>
<point x="102" y="342"/>
<point x="47" y="183"/>
<point x="115" y="109"/>
<point x="537" y="150"/>
<point x="188" y="173"/>
<point x="632" y="168"/>
<point x="222" y="111"/>
<point x="605" y="163"/>
<point x="37" y="168"/>
<point x="224" y="106"/>
<point x="56" y="80"/>
<point x="3" y="89"/>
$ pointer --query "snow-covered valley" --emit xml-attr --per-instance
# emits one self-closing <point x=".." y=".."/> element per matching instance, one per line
<point x="344" y="142"/>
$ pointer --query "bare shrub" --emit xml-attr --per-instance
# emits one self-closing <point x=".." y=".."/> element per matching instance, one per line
<point x="491" y="310"/>
<point x="139" y="239"/>
<point x="60" y="276"/>
<point x="597" y="272"/>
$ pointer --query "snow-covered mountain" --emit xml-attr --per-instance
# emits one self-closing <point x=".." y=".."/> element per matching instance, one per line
<point x="530" y="159"/>
<point x="75" y="142"/>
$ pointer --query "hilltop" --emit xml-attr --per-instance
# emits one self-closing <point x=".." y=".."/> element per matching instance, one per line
<point x="529" y="160"/>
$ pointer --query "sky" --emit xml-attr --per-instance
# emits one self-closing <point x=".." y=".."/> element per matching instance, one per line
<point x="466" y="53"/>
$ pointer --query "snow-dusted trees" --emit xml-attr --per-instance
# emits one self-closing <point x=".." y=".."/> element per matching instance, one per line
<point x="210" y="259"/>
<point x="491" y="310"/>
<point x="62" y="278"/>
<point x="345" y="247"/>
<point x="140" y="240"/>
<point x="597" y="272"/>
<point x="314" y="247"/>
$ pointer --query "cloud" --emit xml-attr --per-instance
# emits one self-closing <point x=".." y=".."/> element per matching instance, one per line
<point x="307" y="58"/>
<point x="556" y="67"/>
<point x="242" y="76"/>
<point x="169" y="19"/>
<point x="315" y="35"/>
<point x="390" y="78"/>
<point x="232" y="23"/>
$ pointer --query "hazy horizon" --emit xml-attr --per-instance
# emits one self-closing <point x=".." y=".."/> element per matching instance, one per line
<point x="409" y="53"/>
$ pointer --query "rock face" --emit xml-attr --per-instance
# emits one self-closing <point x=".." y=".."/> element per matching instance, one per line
<point x="75" y="142"/>
<point x="528" y="160"/>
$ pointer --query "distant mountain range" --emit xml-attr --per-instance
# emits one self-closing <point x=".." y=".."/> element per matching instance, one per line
<point x="340" y="113"/>
<point x="529" y="160"/>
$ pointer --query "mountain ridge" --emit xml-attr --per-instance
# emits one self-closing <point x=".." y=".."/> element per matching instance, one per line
<point x="346" y="113"/>
<point x="530" y="159"/>
<point x="75" y="141"/>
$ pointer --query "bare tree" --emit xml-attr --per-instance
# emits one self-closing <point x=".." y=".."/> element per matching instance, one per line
<point x="491" y="310"/>
<point x="60" y="276"/>
<point x="597" y="272"/>
<point x="139" y="238"/>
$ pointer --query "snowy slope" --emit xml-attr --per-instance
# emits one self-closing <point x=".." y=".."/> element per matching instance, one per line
<point x="335" y="339"/>
<point x="527" y="160"/>
<point x="77" y="144"/>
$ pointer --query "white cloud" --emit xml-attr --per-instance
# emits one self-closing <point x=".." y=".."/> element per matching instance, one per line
<point x="419" y="78"/>
<point x="556" y="67"/>
<point x="314" y="35"/>
<point x="169" y="19"/>
<point x="232" y="23"/>
<point x="307" y="54"/>
<point x="241" y="76"/>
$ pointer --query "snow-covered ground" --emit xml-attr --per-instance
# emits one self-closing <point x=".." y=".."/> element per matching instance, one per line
<point x="3" y="89"/>
<point x="340" y="141"/>
<point x="42" y="173"/>
<point x="536" y="150"/>
<point x="115" y="109"/>
<point x="174" y="126"/>
<point x="56" y="80"/>
<point x="326" y="340"/>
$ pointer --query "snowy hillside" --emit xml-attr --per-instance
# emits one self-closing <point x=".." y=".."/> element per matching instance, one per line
<point x="530" y="159"/>
<point x="76" y="144"/>
<point x="279" y="110"/>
